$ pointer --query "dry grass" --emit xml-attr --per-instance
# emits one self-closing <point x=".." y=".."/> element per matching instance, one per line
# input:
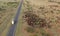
<point x="6" y="15"/>
<point x="44" y="9"/>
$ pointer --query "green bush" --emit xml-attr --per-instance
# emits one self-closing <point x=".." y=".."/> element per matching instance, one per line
<point x="1" y="9"/>
<point x="12" y="4"/>
<point x="35" y="35"/>
<point x="30" y="29"/>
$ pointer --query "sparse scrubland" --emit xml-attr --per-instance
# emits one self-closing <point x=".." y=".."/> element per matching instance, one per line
<point x="37" y="18"/>
<point x="7" y="12"/>
<point x="41" y="20"/>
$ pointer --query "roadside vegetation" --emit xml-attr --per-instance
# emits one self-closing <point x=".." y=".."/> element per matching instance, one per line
<point x="6" y="6"/>
<point x="13" y="4"/>
<point x="7" y="11"/>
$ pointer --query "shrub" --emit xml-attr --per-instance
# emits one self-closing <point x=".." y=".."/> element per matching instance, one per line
<point x="12" y="4"/>
<point x="35" y="35"/>
<point x="1" y="9"/>
<point x="30" y="29"/>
